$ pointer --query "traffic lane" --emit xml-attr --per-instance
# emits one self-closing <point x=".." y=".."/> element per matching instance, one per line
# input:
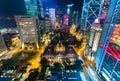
<point x="10" y="53"/>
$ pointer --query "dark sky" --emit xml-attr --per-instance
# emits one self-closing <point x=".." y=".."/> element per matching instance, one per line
<point x="17" y="7"/>
<point x="62" y="3"/>
<point x="11" y="7"/>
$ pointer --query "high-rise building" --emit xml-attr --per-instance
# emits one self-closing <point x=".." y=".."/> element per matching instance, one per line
<point x="91" y="11"/>
<point x="35" y="8"/>
<point x="3" y="48"/>
<point x="65" y="19"/>
<point x="94" y="37"/>
<point x="69" y="9"/>
<point x="104" y="9"/>
<point x="28" y="29"/>
<point x="52" y="18"/>
<point x="31" y="7"/>
<point x="69" y="13"/>
<point x="40" y="9"/>
<point x="115" y="38"/>
<point x="57" y="24"/>
<point x="107" y="57"/>
<point x="76" y="17"/>
<point x="47" y="25"/>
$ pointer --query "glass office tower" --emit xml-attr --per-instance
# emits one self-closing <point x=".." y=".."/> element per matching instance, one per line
<point x="107" y="57"/>
<point x="91" y="11"/>
<point x="31" y="7"/>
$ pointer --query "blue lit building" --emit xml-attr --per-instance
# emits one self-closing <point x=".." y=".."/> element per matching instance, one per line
<point x="69" y="13"/>
<point x="31" y="7"/>
<point x="108" y="62"/>
<point x="69" y="9"/>
<point x="91" y="11"/>
<point x="75" y="17"/>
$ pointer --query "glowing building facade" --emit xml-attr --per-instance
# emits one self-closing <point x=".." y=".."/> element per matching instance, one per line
<point x="3" y="48"/>
<point x="52" y="17"/>
<point x="75" y="17"/>
<point x="91" y="11"/>
<point x="28" y="29"/>
<point x="31" y="7"/>
<point x="115" y="38"/>
<point x="104" y="9"/>
<point x="65" y="19"/>
<point x="107" y="57"/>
<point x="94" y="37"/>
<point x="69" y="9"/>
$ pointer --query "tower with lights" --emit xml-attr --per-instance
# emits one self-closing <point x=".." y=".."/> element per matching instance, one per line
<point x="107" y="57"/>
<point x="57" y="24"/>
<point x="69" y="13"/>
<point x="94" y="37"/>
<point x="28" y="29"/>
<point x="69" y="8"/>
<point x="91" y="11"/>
<point x="31" y="7"/>
<point x="35" y="8"/>
<point x="52" y="17"/>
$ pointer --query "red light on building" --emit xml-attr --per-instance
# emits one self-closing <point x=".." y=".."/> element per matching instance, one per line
<point x="65" y="19"/>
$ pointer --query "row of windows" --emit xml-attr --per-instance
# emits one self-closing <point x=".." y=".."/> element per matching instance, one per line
<point x="112" y="65"/>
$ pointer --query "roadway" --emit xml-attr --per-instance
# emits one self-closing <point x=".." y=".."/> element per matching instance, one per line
<point x="10" y="53"/>
<point x="35" y="62"/>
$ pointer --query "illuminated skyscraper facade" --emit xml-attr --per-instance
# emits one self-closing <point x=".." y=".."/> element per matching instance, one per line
<point x="75" y="17"/>
<point x="69" y="9"/>
<point x="35" y="8"/>
<point x="52" y="17"/>
<point x="107" y="57"/>
<point x="31" y="7"/>
<point x="3" y="48"/>
<point x="91" y="11"/>
<point x="94" y="37"/>
<point x="28" y="29"/>
<point x="57" y="24"/>
<point x="104" y="9"/>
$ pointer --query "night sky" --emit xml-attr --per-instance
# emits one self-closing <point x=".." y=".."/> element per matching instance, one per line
<point x="12" y="7"/>
<point x="17" y="7"/>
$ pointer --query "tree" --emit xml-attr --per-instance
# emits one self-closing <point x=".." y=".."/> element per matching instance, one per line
<point x="44" y="62"/>
<point x="57" y="65"/>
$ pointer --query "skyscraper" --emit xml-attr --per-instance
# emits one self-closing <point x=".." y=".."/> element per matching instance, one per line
<point x="107" y="58"/>
<point x="76" y="17"/>
<point x="104" y="9"/>
<point x="31" y="7"/>
<point x="69" y="9"/>
<point x="94" y="37"/>
<point x="28" y="29"/>
<point x="91" y="11"/>
<point x="3" y="48"/>
<point x="57" y="15"/>
<point x="52" y="17"/>
<point x="69" y="13"/>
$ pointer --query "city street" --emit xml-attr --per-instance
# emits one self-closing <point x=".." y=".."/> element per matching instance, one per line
<point x="11" y="52"/>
